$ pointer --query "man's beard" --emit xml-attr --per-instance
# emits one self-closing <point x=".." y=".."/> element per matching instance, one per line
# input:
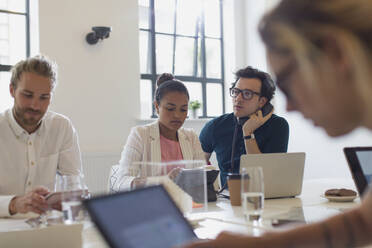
<point x="20" y="114"/>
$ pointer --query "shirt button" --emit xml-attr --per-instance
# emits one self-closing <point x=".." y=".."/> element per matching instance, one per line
<point x="32" y="163"/>
<point x="30" y="143"/>
<point x="29" y="183"/>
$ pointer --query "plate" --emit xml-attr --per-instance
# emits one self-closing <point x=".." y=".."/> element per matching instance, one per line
<point x="340" y="198"/>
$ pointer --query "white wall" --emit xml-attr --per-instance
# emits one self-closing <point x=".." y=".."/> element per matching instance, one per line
<point x="249" y="48"/>
<point x="324" y="155"/>
<point x="98" y="85"/>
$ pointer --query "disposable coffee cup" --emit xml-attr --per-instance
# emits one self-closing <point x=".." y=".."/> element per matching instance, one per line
<point x="234" y="184"/>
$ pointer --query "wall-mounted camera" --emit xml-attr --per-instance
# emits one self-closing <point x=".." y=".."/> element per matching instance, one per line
<point x="99" y="33"/>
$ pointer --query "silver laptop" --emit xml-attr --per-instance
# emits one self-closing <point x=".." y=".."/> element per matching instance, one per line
<point x="283" y="172"/>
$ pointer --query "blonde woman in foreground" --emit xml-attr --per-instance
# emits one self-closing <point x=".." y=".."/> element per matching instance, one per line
<point x="321" y="54"/>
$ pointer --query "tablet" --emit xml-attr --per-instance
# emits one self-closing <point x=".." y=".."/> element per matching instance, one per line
<point x="359" y="160"/>
<point x="145" y="218"/>
<point x="192" y="181"/>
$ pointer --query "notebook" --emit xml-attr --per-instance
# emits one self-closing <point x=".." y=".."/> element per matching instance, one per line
<point x="283" y="172"/>
<point x="145" y="217"/>
<point x="359" y="160"/>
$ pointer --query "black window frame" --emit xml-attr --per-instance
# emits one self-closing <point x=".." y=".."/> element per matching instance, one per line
<point x="204" y="80"/>
<point x="7" y="68"/>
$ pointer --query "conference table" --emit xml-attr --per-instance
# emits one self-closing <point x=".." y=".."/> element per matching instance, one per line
<point x="310" y="206"/>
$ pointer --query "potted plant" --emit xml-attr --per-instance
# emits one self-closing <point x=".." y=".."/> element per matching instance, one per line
<point x="194" y="106"/>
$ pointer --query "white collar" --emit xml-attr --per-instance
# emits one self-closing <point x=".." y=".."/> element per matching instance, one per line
<point x="17" y="129"/>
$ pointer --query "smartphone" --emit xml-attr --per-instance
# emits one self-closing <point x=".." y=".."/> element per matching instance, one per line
<point x="54" y="200"/>
<point x="266" y="109"/>
<point x="281" y="222"/>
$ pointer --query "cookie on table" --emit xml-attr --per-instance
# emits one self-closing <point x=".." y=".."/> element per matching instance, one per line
<point x="340" y="192"/>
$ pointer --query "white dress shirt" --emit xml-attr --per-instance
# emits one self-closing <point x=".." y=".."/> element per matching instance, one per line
<point x="31" y="160"/>
<point x="143" y="144"/>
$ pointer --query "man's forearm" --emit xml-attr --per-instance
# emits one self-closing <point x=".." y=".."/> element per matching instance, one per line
<point x="207" y="156"/>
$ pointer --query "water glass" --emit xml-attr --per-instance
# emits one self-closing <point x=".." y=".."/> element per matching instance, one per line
<point x="73" y="191"/>
<point x="252" y="193"/>
<point x="50" y="216"/>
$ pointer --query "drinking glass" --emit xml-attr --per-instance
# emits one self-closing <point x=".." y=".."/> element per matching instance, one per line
<point x="73" y="191"/>
<point x="252" y="193"/>
<point x="49" y="216"/>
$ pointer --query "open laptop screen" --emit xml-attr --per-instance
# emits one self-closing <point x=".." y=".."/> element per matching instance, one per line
<point x="365" y="161"/>
<point x="141" y="218"/>
<point x="360" y="164"/>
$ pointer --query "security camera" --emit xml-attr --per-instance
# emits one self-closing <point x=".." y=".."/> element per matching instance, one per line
<point x="97" y="34"/>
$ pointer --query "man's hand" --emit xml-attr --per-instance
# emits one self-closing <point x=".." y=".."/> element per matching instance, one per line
<point x="255" y="121"/>
<point x="33" y="201"/>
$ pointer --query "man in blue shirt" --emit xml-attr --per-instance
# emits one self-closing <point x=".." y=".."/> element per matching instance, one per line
<point x="262" y="133"/>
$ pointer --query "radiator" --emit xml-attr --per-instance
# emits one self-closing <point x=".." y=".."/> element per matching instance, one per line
<point x="96" y="170"/>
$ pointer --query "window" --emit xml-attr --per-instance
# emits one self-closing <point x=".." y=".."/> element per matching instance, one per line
<point x="185" y="38"/>
<point x="14" y="42"/>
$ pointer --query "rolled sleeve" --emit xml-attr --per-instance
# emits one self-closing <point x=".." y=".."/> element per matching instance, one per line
<point x="132" y="152"/>
<point x="198" y="153"/>
<point x="4" y="205"/>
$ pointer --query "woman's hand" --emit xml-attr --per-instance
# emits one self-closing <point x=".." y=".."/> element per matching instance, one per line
<point x="174" y="173"/>
<point x="138" y="183"/>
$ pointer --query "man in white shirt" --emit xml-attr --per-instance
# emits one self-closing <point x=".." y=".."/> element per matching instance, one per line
<point x="35" y="143"/>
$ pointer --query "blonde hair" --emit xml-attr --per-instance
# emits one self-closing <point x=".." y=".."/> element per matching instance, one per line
<point x="300" y="27"/>
<point x="40" y="65"/>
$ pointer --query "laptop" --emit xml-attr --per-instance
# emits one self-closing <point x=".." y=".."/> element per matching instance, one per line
<point x="145" y="217"/>
<point x="359" y="160"/>
<point x="283" y="172"/>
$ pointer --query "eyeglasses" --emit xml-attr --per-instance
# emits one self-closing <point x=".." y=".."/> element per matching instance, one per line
<point x="247" y="94"/>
